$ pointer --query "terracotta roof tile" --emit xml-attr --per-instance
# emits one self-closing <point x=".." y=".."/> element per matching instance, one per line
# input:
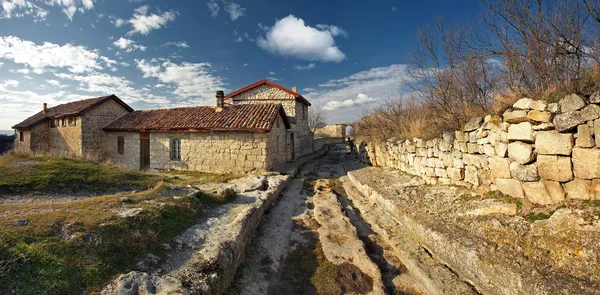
<point x="249" y="117"/>
<point x="296" y="95"/>
<point x="73" y="108"/>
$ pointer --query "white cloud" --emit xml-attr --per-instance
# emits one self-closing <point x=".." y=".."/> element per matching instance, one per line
<point x="77" y="59"/>
<point x="128" y="44"/>
<point x="21" y="8"/>
<point x="190" y="79"/>
<point x="235" y="10"/>
<point x="70" y="7"/>
<point x="56" y="83"/>
<point x="306" y="67"/>
<point x="274" y="79"/>
<point x="245" y="65"/>
<point x="291" y="37"/>
<point x="119" y="22"/>
<point x="182" y="44"/>
<point x="358" y="100"/>
<point x="334" y="30"/>
<point x="9" y="83"/>
<point x="1" y="64"/>
<point x="143" y="23"/>
<point x="272" y="73"/>
<point x="213" y="7"/>
<point x="23" y="71"/>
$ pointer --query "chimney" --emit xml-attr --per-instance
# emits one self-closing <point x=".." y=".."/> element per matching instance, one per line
<point x="220" y="100"/>
<point x="294" y="89"/>
<point x="45" y="108"/>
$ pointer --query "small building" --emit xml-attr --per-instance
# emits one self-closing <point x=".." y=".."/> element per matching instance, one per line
<point x="70" y="129"/>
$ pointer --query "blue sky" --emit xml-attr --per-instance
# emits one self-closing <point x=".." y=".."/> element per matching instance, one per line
<point x="344" y="56"/>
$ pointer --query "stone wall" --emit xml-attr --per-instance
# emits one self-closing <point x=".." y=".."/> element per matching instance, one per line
<point x="222" y="152"/>
<point x="94" y="121"/>
<point x="539" y="151"/>
<point x="278" y="145"/>
<point x="66" y="141"/>
<point x="131" y="157"/>
<point x="264" y="93"/>
<point x="335" y="130"/>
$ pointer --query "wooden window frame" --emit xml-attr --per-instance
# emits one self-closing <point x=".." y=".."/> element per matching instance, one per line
<point x="121" y="145"/>
<point x="63" y="122"/>
<point x="175" y="149"/>
<point x="72" y="122"/>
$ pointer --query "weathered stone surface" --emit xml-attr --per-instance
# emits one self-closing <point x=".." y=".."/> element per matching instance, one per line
<point x="455" y="173"/>
<point x="554" y="108"/>
<point x="543" y="127"/>
<point x="504" y="126"/>
<point x="590" y="112"/>
<point x="499" y="168"/>
<point x="520" y="152"/>
<point x="511" y="187"/>
<point x="536" y="193"/>
<point x="21" y="222"/>
<point x="141" y="283"/>
<point x="586" y="163"/>
<point x="555" y="190"/>
<point x="539" y="116"/>
<point x="553" y="143"/>
<point x="501" y="149"/>
<point x="571" y="102"/>
<point x="525" y="173"/>
<point x="461" y="136"/>
<point x="595" y="189"/>
<point x="567" y="121"/>
<point x="595" y="97"/>
<point x="538" y="105"/>
<point x="597" y="132"/>
<point x="584" y="137"/>
<point x="523" y="103"/>
<point x="578" y="189"/>
<point x="472" y="148"/>
<point x="471" y="175"/>
<point x="473" y="124"/>
<point x="488" y="150"/>
<point x="554" y="168"/>
<point x="516" y="116"/>
<point x="473" y="136"/>
<point x="475" y="160"/>
<point x="522" y="131"/>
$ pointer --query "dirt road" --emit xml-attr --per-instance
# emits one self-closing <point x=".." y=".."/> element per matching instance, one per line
<point x="314" y="241"/>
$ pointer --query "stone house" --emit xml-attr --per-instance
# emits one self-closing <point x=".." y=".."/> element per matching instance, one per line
<point x="71" y="129"/>
<point x="294" y="104"/>
<point x="260" y="127"/>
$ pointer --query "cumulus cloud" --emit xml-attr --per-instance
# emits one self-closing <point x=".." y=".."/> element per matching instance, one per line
<point x="213" y="7"/>
<point x="9" y="83"/>
<point x="235" y="10"/>
<point x="291" y="37"/>
<point x="56" y="83"/>
<point x="191" y="80"/>
<point x="70" y="7"/>
<point x="128" y="45"/>
<point x="21" y="8"/>
<point x="358" y="100"/>
<point x="143" y="23"/>
<point x="306" y="67"/>
<point x="77" y="59"/>
<point x="182" y="44"/>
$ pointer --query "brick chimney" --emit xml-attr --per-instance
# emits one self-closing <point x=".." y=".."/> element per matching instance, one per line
<point x="45" y="108"/>
<point x="220" y="100"/>
<point x="294" y="89"/>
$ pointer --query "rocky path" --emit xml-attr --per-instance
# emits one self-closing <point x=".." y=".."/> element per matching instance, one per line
<point x="315" y="241"/>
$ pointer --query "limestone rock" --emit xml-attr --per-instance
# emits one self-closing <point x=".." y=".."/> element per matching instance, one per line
<point x="554" y="168"/>
<point x="473" y="124"/>
<point x="499" y="168"/>
<point x="501" y="149"/>
<point x="523" y="103"/>
<point x="553" y="143"/>
<point x="555" y="190"/>
<point x="504" y="126"/>
<point x="584" y="137"/>
<point x="141" y="283"/>
<point x="511" y="187"/>
<point x="526" y="173"/>
<point x="543" y="127"/>
<point x="473" y="136"/>
<point x="516" y="116"/>
<point x="554" y="108"/>
<point x="522" y="131"/>
<point x="536" y="193"/>
<point x="461" y="136"/>
<point x="539" y="116"/>
<point x="455" y="173"/>
<point x="520" y="152"/>
<point x="586" y="163"/>
<point x="578" y="189"/>
<point x="488" y="150"/>
<point x="595" y="189"/>
<point x="538" y="105"/>
<point x="571" y="102"/>
<point x="595" y="97"/>
<point x="471" y="175"/>
<point x="597" y="132"/>
<point x="567" y="121"/>
<point x="590" y="112"/>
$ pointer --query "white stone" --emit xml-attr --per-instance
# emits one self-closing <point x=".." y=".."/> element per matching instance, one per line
<point x="553" y="143"/>
<point x="520" y="152"/>
<point x="522" y="131"/>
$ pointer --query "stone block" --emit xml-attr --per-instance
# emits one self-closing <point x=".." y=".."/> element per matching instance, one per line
<point x="597" y="132"/>
<point x="595" y="189"/>
<point x="522" y="131"/>
<point x="471" y="175"/>
<point x="511" y="187"/>
<point x="586" y="163"/>
<point x="473" y="124"/>
<point x="543" y="127"/>
<point x="539" y="116"/>
<point x="475" y="160"/>
<point x="461" y="136"/>
<point x="488" y="150"/>
<point x="455" y="173"/>
<point x="499" y="168"/>
<point x="553" y="108"/>
<point x="504" y="126"/>
<point x="516" y="116"/>
<point x="525" y="173"/>
<point x="538" y="105"/>
<point x="520" y="152"/>
<point x="590" y="112"/>
<point x="444" y="181"/>
<point x="501" y="149"/>
<point x="473" y="136"/>
<point x="472" y="148"/>
<point x="571" y="102"/>
<point x="555" y="190"/>
<point x="440" y="172"/>
<point x="567" y="121"/>
<point x="578" y="189"/>
<point x="553" y="143"/>
<point x="523" y="103"/>
<point x="554" y="168"/>
<point x="536" y="193"/>
<point x="458" y="163"/>
<point x="584" y="137"/>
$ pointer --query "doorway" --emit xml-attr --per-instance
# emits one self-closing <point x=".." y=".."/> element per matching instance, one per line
<point x="292" y="146"/>
<point x="144" y="151"/>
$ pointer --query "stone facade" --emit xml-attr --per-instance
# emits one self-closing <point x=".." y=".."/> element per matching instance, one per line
<point x="539" y="152"/>
<point x="296" y="111"/>
<point x="335" y="130"/>
<point x="130" y="158"/>
<point x="94" y="121"/>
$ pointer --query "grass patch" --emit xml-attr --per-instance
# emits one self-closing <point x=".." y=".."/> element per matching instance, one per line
<point x="595" y="203"/>
<point x="506" y="198"/>
<point x="532" y="217"/>
<point x="65" y="175"/>
<point x="180" y="177"/>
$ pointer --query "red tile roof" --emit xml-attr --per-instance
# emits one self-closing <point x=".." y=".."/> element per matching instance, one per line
<point x="73" y="108"/>
<point x="247" y="118"/>
<point x="296" y="95"/>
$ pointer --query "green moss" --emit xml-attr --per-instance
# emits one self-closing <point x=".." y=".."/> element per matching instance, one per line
<point x="555" y="97"/>
<point x="532" y="217"/>
<point x="595" y="203"/>
<point x="506" y="198"/>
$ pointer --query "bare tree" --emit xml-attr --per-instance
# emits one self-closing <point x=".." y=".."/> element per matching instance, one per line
<point x="316" y="119"/>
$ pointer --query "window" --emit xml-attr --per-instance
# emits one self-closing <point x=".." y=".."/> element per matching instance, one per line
<point x="64" y="123"/>
<point x="20" y="135"/>
<point x="176" y="149"/>
<point x="121" y="145"/>
<point x="72" y="122"/>
<point x="52" y="124"/>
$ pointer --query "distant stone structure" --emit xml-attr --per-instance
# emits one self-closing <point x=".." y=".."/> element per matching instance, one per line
<point x="334" y="130"/>
<point x="258" y="127"/>
<point x="539" y="151"/>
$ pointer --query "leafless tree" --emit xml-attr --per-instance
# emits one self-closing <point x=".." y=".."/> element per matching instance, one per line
<point x="316" y="119"/>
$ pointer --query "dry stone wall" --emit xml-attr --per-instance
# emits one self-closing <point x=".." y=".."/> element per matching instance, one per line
<point x="539" y="151"/>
